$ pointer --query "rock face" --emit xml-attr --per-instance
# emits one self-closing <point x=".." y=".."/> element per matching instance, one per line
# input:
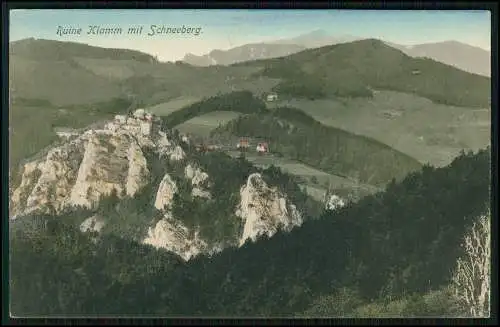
<point x="92" y="224"/>
<point x="177" y="154"/>
<point x="165" y="193"/>
<point x="334" y="202"/>
<point x="114" y="160"/>
<point x="30" y="175"/>
<point x="83" y="170"/>
<point x="47" y="184"/>
<point x="137" y="170"/>
<point x="106" y="166"/>
<point x="170" y="234"/>
<point x="264" y="210"/>
<point x="199" y="181"/>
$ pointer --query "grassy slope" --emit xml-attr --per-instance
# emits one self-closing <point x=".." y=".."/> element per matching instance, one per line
<point x="342" y="69"/>
<point x="432" y="133"/>
<point x="204" y="124"/>
<point x="58" y="81"/>
<point x="50" y="49"/>
<point x="24" y="140"/>
<point x="81" y="74"/>
<point x="316" y="182"/>
<point x="166" y="108"/>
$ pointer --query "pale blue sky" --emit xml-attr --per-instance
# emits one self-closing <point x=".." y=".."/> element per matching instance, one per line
<point x="223" y="29"/>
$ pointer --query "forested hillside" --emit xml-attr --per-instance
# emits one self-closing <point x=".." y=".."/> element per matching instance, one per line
<point x="402" y="243"/>
<point x="354" y="69"/>
<point x="294" y="134"/>
<point x="240" y="101"/>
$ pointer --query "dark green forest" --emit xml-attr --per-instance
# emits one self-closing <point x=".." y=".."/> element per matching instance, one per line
<point x="239" y="101"/>
<point x="294" y="134"/>
<point x="399" y="244"/>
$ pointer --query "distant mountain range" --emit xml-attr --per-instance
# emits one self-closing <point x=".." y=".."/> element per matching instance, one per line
<point x="266" y="50"/>
<point x="243" y="53"/>
<point x="318" y="38"/>
<point x="463" y="56"/>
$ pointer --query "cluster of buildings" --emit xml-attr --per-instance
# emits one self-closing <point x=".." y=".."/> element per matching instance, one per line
<point x="139" y="122"/>
<point x="199" y="146"/>
<point x="207" y="148"/>
<point x="244" y="145"/>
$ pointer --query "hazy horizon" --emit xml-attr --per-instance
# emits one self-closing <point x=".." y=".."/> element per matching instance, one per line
<point x="226" y="29"/>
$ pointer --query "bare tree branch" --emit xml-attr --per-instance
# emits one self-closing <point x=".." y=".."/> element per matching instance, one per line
<point x="471" y="281"/>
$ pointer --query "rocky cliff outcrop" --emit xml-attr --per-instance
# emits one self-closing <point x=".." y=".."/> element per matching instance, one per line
<point x="114" y="160"/>
<point x="92" y="165"/>
<point x="111" y="163"/>
<point x="169" y="233"/>
<point x="199" y="181"/>
<point x="264" y="210"/>
<point x="92" y="224"/>
<point x="29" y="176"/>
<point x="334" y="202"/>
<point x="47" y="183"/>
<point x="165" y="193"/>
<point x="83" y="170"/>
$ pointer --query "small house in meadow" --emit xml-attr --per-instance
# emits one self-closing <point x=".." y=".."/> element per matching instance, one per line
<point x="262" y="148"/>
<point x="242" y="144"/>
<point x="272" y="97"/>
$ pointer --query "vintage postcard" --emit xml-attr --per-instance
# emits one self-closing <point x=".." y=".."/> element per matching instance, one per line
<point x="249" y="163"/>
